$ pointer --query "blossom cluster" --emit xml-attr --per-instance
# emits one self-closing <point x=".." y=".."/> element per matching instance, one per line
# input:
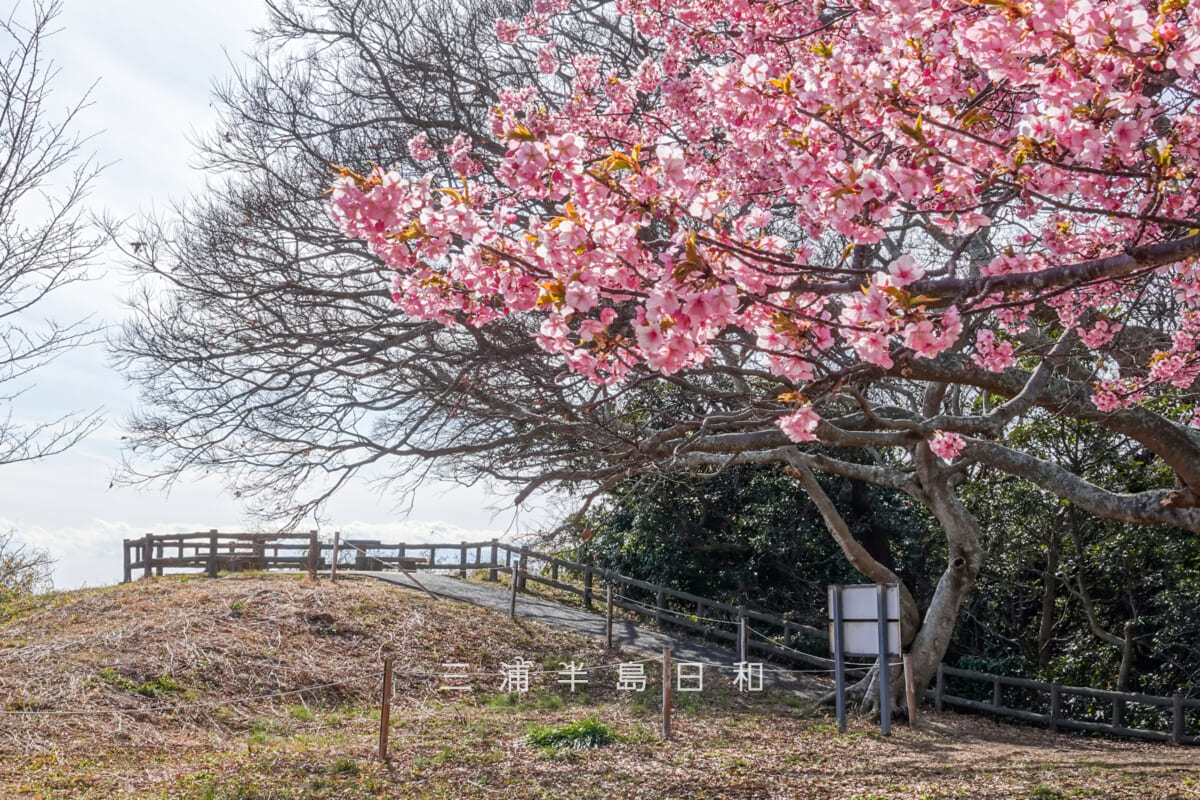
<point x="1057" y="131"/>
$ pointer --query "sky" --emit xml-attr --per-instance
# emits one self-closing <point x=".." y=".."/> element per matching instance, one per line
<point x="151" y="65"/>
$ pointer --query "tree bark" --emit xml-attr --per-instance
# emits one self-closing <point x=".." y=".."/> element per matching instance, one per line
<point x="1049" y="592"/>
<point x="962" y="568"/>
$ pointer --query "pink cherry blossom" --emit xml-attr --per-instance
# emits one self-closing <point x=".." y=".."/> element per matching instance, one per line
<point x="947" y="446"/>
<point x="800" y="425"/>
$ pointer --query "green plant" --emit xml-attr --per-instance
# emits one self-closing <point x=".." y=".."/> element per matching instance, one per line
<point x="344" y="766"/>
<point x="157" y="687"/>
<point x="577" y="735"/>
<point x="302" y="713"/>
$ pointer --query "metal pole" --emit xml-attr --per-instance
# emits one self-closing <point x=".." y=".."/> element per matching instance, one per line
<point x="839" y="665"/>
<point x="742" y="636"/>
<point x="885" y="695"/>
<point x="608" y="602"/>
<point x="333" y="564"/>
<point x="385" y="708"/>
<point x="666" y="682"/>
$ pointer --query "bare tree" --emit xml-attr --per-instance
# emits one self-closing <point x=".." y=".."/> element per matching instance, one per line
<point x="267" y="346"/>
<point x="46" y="238"/>
<point x="23" y="569"/>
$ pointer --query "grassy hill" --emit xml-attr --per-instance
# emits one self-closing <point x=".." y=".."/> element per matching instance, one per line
<point x="207" y="676"/>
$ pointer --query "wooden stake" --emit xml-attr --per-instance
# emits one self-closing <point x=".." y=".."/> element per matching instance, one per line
<point x="512" y="597"/>
<point x="910" y="690"/>
<point x="385" y="709"/>
<point x="666" y="682"/>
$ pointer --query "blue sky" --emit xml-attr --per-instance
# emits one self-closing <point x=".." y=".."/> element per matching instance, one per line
<point x="153" y="64"/>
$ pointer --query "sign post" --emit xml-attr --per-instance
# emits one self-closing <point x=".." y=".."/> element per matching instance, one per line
<point x="864" y="622"/>
<point x="885" y="696"/>
<point x="839" y="663"/>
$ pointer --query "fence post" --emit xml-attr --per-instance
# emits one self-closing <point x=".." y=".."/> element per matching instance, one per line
<point x="158" y="555"/>
<point x="743" y="635"/>
<point x="512" y="595"/>
<point x="997" y="693"/>
<point x="523" y="565"/>
<point x="314" y="554"/>
<point x="1118" y="712"/>
<point x="1055" y="705"/>
<point x="333" y="562"/>
<point x="939" y="689"/>
<point x="147" y="550"/>
<point x="787" y="634"/>
<point x="1177" y="721"/>
<point x="660" y="603"/>
<point x="587" y="587"/>
<point x="608" y="603"/>
<point x="666" y="703"/>
<point x="128" y="566"/>
<point x="462" y="560"/>
<point x="385" y="709"/>
<point x="495" y="560"/>
<point x="212" y="553"/>
<point x="401" y="550"/>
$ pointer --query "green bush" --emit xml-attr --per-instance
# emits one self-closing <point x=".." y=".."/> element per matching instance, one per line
<point x="578" y="735"/>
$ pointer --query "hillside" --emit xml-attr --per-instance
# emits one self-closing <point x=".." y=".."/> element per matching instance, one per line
<point x="194" y="663"/>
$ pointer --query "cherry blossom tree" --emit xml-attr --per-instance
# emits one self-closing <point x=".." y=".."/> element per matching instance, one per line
<point x="899" y="226"/>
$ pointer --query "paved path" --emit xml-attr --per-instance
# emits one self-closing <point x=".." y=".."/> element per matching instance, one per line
<point x="625" y="634"/>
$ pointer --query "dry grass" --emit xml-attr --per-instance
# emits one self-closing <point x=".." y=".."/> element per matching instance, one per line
<point x="204" y="644"/>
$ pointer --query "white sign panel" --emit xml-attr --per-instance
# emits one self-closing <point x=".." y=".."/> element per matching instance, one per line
<point x="860" y="619"/>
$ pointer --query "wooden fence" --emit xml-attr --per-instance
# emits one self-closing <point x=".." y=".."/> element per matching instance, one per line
<point x="1163" y="719"/>
<point x="1060" y="707"/>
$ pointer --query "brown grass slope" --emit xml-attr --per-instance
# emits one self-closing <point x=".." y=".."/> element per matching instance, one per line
<point x="213" y="681"/>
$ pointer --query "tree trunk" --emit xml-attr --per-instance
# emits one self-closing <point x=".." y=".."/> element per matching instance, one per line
<point x="1049" y="592"/>
<point x="962" y="568"/>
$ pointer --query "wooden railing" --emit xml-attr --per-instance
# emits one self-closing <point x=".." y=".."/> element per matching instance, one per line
<point x="1057" y="706"/>
<point x="1073" y="707"/>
